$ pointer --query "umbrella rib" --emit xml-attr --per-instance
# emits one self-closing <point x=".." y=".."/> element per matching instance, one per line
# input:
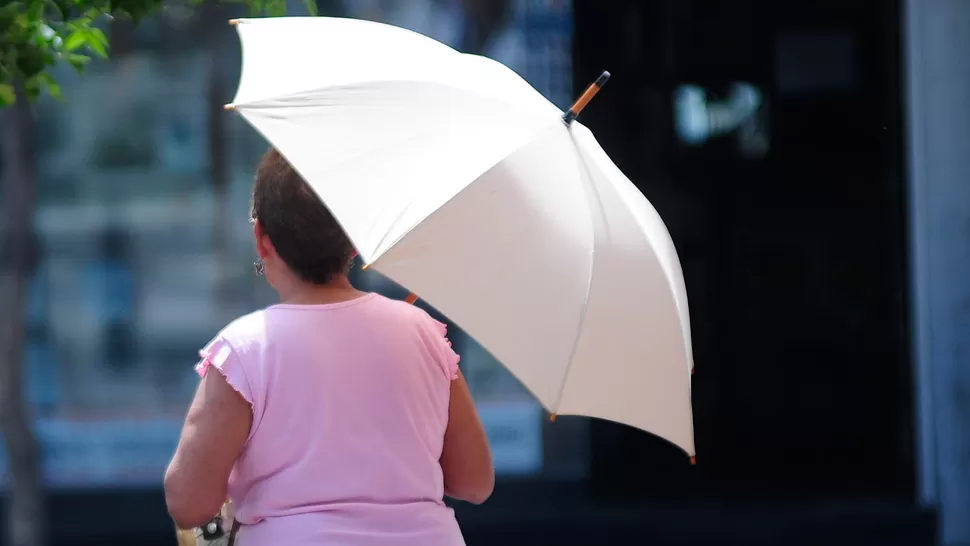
<point x="474" y="180"/>
<point x="589" y="285"/>
<point x="579" y="329"/>
<point x="274" y="101"/>
<point x="390" y="227"/>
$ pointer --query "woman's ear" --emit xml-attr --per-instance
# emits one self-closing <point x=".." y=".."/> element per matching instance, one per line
<point x="264" y="247"/>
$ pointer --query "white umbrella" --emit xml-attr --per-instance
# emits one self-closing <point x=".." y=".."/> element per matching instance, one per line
<point x="455" y="178"/>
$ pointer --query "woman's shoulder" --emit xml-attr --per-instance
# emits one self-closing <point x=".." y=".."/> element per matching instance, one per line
<point x="407" y="310"/>
<point x="246" y="330"/>
<point x="420" y="317"/>
<point x="233" y="351"/>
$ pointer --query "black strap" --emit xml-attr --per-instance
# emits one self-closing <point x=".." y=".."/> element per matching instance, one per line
<point x="232" y="533"/>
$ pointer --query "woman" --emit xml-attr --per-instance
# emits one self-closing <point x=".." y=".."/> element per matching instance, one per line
<point x="334" y="417"/>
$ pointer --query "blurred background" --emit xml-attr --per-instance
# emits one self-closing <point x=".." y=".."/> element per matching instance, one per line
<point x="811" y="159"/>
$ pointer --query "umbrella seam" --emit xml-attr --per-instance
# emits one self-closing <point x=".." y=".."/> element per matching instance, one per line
<point x="266" y="101"/>
<point x="589" y="282"/>
<point x="579" y="329"/>
<point x="449" y="200"/>
<point x="397" y="218"/>
<point x="689" y="355"/>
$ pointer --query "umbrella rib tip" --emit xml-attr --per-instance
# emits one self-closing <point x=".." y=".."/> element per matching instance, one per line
<point x="233" y="22"/>
<point x="229" y="106"/>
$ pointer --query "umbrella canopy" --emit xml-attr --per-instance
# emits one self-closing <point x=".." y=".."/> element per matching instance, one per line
<point x="455" y="178"/>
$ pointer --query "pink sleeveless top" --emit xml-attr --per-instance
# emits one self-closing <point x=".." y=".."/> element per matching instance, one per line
<point x="350" y="404"/>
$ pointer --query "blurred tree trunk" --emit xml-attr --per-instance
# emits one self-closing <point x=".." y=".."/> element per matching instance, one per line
<point x="215" y="24"/>
<point x="26" y="524"/>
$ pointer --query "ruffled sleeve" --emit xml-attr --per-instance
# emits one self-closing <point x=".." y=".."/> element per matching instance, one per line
<point x="449" y="356"/>
<point x="219" y="355"/>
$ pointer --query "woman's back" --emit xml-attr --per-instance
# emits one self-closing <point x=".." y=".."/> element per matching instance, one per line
<point x="350" y="407"/>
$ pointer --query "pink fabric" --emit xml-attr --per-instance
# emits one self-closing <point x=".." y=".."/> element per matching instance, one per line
<point x="350" y="405"/>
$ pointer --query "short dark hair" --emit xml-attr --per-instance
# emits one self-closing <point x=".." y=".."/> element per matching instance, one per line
<point x="306" y="236"/>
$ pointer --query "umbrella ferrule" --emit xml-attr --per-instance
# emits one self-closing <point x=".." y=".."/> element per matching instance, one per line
<point x="584" y="99"/>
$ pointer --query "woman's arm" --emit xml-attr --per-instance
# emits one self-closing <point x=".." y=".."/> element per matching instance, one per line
<point x="216" y="429"/>
<point x="466" y="459"/>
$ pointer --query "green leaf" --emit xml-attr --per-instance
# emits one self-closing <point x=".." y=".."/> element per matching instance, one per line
<point x="311" y="7"/>
<point x="97" y="42"/>
<point x="75" y="40"/>
<point x="54" y="90"/>
<point x="48" y="83"/>
<point x="276" y="8"/>
<point x="32" y="88"/>
<point x="77" y="61"/>
<point x="35" y="9"/>
<point x="7" y="95"/>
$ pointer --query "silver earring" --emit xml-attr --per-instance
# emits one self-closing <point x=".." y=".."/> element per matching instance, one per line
<point x="259" y="267"/>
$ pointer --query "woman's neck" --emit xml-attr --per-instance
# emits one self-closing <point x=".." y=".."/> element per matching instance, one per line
<point x="335" y="291"/>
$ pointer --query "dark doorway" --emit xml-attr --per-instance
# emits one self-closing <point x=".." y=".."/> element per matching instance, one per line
<point x="790" y="230"/>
